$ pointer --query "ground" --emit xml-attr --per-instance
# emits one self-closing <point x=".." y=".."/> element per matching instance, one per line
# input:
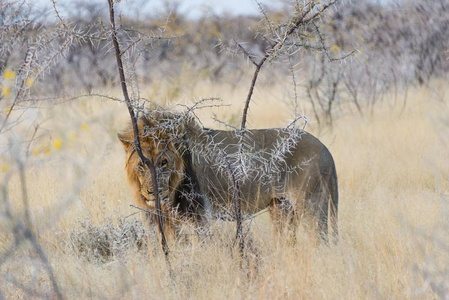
<point x="393" y="175"/>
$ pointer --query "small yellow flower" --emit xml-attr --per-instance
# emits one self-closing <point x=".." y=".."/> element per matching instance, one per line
<point x="36" y="152"/>
<point x="57" y="144"/>
<point x="335" y="48"/>
<point x="84" y="127"/>
<point x="6" y="91"/>
<point x="8" y="74"/>
<point x="46" y="150"/>
<point x="5" y="168"/>
<point x="7" y="110"/>
<point x="29" y="82"/>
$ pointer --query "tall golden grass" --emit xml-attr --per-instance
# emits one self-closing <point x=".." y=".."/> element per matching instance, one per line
<point x="393" y="170"/>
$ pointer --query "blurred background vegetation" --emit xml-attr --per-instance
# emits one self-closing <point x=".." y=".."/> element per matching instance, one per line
<point x="395" y="45"/>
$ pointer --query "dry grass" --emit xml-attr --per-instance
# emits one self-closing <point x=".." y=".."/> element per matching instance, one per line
<point x="393" y="171"/>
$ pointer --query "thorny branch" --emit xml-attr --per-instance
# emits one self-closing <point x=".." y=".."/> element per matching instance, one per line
<point x="133" y="117"/>
<point x="307" y="14"/>
<point x="296" y="22"/>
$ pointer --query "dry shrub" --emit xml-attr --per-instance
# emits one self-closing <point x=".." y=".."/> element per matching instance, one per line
<point x="107" y="241"/>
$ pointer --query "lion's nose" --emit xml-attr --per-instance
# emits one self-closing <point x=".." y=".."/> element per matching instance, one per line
<point x="152" y="193"/>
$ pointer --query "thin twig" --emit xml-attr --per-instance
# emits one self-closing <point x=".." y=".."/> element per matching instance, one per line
<point x="263" y="11"/>
<point x="30" y="235"/>
<point x="249" y="55"/>
<point x="130" y="45"/>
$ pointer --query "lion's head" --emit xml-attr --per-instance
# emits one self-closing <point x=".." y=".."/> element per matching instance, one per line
<point x="158" y="138"/>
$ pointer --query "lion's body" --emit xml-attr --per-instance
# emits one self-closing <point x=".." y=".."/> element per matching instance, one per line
<point x="285" y="168"/>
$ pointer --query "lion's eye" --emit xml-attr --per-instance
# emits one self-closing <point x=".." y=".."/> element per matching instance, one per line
<point x="164" y="163"/>
<point x="140" y="166"/>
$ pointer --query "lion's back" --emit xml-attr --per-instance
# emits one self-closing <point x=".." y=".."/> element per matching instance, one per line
<point x="274" y="161"/>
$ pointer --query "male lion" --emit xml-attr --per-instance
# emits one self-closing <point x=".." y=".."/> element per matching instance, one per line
<point x="286" y="170"/>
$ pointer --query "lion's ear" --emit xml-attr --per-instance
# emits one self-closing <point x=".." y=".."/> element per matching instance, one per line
<point x="126" y="139"/>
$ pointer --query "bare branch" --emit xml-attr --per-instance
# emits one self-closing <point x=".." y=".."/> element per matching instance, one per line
<point x="144" y="159"/>
<point x="294" y="24"/>
<point x="249" y="55"/>
<point x="130" y="45"/>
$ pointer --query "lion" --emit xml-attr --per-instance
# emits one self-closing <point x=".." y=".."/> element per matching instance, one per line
<point x="285" y="170"/>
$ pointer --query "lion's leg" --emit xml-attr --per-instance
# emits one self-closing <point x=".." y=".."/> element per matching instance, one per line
<point x="316" y="210"/>
<point x="275" y="215"/>
<point x="150" y="230"/>
<point x="284" y="218"/>
<point x="170" y="229"/>
<point x="200" y="215"/>
<point x="150" y="221"/>
<point x="323" y="217"/>
<point x="202" y="228"/>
